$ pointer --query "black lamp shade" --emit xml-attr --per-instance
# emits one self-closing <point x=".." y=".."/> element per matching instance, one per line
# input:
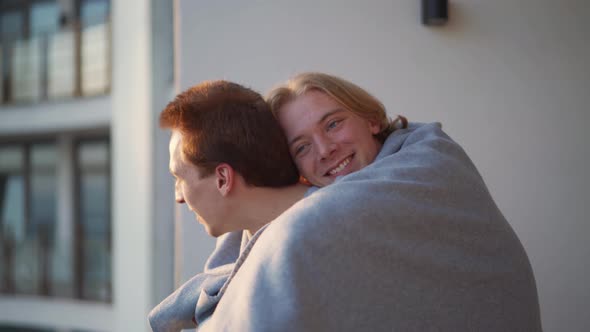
<point x="435" y="12"/>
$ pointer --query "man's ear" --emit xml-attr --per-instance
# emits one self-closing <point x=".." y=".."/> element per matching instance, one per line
<point x="225" y="176"/>
<point x="374" y="127"/>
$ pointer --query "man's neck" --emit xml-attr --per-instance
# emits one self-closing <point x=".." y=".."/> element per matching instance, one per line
<point x="266" y="204"/>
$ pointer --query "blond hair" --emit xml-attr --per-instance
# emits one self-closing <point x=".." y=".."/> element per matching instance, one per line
<point x="350" y="95"/>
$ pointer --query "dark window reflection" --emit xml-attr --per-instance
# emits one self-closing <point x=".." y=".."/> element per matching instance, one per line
<point x="11" y="31"/>
<point x="94" y="220"/>
<point x="94" y="12"/>
<point x="12" y="211"/>
<point x="45" y="249"/>
<point x="28" y="200"/>
<point x="44" y="18"/>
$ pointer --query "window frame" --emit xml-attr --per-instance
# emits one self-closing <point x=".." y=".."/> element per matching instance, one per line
<point x="76" y="25"/>
<point x="79" y="233"/>
<point x="77" y="138"/>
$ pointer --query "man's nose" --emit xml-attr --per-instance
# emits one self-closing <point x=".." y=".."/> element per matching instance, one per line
<point x="178" y="196"/>
<point x="325" y="147"/>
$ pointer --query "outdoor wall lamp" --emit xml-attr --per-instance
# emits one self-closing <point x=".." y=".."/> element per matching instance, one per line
<point x="435" y="12"/>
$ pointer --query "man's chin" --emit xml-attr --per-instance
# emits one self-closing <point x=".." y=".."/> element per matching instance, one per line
<point x="213" y="232"/>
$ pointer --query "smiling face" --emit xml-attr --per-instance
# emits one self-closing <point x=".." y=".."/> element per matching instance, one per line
<point x="199" y="193"/>
<point x="327" y="140"/>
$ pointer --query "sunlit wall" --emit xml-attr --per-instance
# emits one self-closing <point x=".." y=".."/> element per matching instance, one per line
<point x="508" y="80"/>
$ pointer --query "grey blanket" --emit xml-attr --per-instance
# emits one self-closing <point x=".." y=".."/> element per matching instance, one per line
<point x="196" y="299"/>
<point x="412" y="242"/>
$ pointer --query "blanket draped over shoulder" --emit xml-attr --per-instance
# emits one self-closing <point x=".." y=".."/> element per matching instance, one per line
<point x="197" y="298"/>
<point x="412" y="242"/>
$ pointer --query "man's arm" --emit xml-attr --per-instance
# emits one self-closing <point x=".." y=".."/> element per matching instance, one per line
<point x="177" y="311"/>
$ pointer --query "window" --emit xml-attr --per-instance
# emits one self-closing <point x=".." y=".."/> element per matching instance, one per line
<point x="55" y="226"/>
<point x="33" y="245"/>
<point x="54" y="49"/>
<point x="12" y="204"/>
<point x="11" y="31"/>
<point x="93" y="228"/>
<point x="95" y="48"/>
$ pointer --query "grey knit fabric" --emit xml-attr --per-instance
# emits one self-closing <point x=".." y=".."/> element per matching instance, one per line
<point x="413" y="242"/>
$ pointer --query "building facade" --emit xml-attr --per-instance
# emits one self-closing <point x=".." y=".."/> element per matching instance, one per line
<point x="82" y="83"/>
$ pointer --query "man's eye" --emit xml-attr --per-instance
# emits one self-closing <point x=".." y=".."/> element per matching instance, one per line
<point x="301" y="148"/>
<point x="333" y="124"/>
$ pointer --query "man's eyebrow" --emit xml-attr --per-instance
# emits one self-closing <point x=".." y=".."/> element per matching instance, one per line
<point x="322" y="119"/>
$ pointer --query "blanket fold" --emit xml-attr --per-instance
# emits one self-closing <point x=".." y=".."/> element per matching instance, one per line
<point x="194" y="301"/>
<point x="179" y="310"/>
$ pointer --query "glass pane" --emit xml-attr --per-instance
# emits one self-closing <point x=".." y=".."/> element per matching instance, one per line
<point x="12" y="202"/>
<point x="95" y="220"/>
<point x="93" y="154"/>
<point x="11" y="158"/>
<point x="11" y="30"/>
<point x="33" y="251"/>
<point x="60" y="48"/>
<point x="12" y="208"/>
<point x="44" y="18"/>
<point x="95" y="50"/>
<point x="12" y="191"/>
<point x="95" y="202"/>
<point x="1" y="74"/>
<point x="43" y="209"/>
<point x="94" y="12"/>
<point x="11" y="26"/>
<point x="27" y="266"/>
<point x="43" y="189"/>
<point x="12" y="211"/>
<point x="60" y="62"/>
<point x="43" y="156"/>
<point x="26" y="70"/>
<point x="43" y="202"/>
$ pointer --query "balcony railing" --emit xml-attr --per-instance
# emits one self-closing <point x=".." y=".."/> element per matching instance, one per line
<point x="74" y="62"/>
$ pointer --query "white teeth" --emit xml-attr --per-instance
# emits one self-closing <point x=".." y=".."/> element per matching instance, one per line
<point x="339" y="167"/>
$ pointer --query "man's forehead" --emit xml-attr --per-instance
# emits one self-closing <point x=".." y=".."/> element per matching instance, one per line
<point x="175" y="148"/>
<point x="175" y="142"/>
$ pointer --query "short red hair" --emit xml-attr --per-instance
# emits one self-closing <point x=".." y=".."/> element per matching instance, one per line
<point x="224" y="122"/>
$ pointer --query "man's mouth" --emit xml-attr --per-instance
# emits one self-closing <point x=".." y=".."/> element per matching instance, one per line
<point x="340" y="167"/>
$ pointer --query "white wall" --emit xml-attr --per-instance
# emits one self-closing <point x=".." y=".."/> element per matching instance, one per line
<point x="132" y="153"/>
<point x="508" y="79"/>
<point x="143" y="199"/>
